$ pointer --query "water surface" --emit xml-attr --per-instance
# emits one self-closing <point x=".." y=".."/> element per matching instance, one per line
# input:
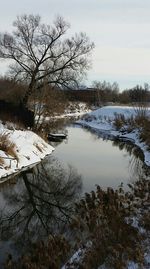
<point x="99" y="160"/>
<point x="39" y="202"/>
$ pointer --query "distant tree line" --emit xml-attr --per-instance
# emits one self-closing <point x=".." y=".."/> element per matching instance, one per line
<point x="54" y="99"/>
<point x="137" y="94"/>
<point x="102" y="93"/>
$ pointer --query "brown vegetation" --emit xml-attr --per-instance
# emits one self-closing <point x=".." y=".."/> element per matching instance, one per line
<point x="11" y="91"/>
<point x="1" y="161"/>
<point x="7" y="146"/>
<point x="50" y="254"/>
<point x="105" y="218"/>
<point x="140" y="121"/>
<point x="46" y="104"/>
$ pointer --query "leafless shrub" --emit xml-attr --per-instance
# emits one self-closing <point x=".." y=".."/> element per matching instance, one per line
<point x="141" y="109"/>
<point x="49" y="102"/>
<point x="119" y="121"/>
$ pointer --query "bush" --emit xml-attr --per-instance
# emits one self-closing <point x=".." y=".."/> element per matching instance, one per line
<point x="119" y="121"/>
<point x="145" y="132"/>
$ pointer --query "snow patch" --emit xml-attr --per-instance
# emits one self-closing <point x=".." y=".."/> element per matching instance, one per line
<point x="29" y="147"/>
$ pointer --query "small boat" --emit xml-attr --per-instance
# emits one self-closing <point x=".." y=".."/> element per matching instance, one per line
<point x="56" y="137"/>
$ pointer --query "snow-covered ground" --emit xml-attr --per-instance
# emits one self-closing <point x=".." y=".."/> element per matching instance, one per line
<point x="29" y="148"/>
<point x="101" y="120"/>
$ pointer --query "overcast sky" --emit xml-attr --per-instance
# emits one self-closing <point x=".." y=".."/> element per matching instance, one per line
<point x="120" y="30"/>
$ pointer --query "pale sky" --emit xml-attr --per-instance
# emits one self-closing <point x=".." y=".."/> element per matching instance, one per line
<point x="120" y="30"/>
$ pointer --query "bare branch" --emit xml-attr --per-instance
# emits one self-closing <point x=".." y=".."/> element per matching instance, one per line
<point x="41" y="52"/>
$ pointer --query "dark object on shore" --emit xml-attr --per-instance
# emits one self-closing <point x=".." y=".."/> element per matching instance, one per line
<point x="56" y="137"/>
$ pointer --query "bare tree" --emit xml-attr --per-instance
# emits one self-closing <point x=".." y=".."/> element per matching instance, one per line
<point x="42" y="54"/>
<point x="106" y="92"/>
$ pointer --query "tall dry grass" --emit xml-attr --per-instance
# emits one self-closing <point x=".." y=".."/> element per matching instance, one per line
<point x="7" y="146"/>
<point x="139" y="121"/>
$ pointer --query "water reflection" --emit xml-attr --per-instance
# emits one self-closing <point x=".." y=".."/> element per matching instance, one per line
<point x="40" y="201"/>
<point x="100" y="159"/>
<point x="39" y="204"/>
<point x="138" y="170"/>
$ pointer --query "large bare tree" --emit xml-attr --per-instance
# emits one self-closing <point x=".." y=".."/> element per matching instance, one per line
<point x="41" y="54"/>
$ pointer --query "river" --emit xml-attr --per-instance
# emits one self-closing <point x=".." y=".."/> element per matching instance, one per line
<point x="99" y="160"/>
<point x="38" y="202"/>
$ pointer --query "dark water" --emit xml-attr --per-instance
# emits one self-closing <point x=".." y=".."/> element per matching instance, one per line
<point x="40" y="201"/>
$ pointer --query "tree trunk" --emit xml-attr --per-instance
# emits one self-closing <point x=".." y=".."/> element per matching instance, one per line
<point x="26" y="96"/>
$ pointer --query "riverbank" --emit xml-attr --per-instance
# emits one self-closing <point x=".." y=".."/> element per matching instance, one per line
<point x="74" y="110"/>
<point x="20" y="150"/>
<point x="102" y="121"/>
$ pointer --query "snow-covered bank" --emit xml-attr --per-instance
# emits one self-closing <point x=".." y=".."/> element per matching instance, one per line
<point x="29" y="149"/>
<point x="102" y="119"/>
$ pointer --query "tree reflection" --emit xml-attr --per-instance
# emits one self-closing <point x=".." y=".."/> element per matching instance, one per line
<point x="41" y="202"/>
<point x="138" y="169"/>
<point x="136" y="166"/>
